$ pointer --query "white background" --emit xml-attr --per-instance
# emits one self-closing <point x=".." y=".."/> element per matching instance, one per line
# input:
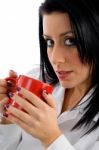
<point x="19" y="44"/>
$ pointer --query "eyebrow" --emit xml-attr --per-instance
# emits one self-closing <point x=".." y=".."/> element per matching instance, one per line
<point x="61" y="34"/>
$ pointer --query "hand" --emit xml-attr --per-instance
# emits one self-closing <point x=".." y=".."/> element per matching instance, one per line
<point x="3" y="94"/>
<point x="38" y="118"/>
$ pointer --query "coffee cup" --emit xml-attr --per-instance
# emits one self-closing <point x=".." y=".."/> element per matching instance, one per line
<point x="33" y="85"/>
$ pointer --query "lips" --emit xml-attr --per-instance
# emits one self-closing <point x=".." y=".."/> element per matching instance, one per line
<point x="63" y="74"/>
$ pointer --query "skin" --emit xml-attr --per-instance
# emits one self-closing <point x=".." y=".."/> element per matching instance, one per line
<point x="63" y="56"/>
<point x="36" y="119"/>
<point x="3" y="94"/>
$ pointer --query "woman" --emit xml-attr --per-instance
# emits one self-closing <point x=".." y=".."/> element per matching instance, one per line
<point x="69" y="118"/>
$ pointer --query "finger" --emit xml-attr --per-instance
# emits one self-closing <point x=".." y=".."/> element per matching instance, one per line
<point x="20" y="123"/>
<point x="19" y="115"/>
<point x="3" y="83"/>
<point x="3" y="90"/>
<point x="2" y="96"/>
<point x="3" y="102"/>
<point x="49" y="99"/>
<point x="12" y="73"/>
<point x="26" y="105"/>
<point x="35" y="100"/>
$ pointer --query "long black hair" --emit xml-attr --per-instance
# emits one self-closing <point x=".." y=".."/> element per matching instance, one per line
<point x="84" y="17"/>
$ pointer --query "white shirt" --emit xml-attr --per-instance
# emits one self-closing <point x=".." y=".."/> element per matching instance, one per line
<point x="13" y="137"/>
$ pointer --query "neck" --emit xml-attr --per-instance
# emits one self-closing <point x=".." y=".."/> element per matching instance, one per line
<point x="72" y="97"/>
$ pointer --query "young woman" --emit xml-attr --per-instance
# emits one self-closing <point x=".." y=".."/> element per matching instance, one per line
<point x="69" y="118"/>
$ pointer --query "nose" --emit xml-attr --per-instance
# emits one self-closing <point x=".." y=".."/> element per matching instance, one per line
<point x="58" y="55"/>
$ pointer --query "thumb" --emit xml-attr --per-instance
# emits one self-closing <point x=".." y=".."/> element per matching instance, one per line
<point x="49" y="99"/>
<point x="12" y="73"/>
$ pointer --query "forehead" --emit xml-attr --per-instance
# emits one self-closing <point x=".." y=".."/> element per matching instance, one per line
<point x="56" y="22"/>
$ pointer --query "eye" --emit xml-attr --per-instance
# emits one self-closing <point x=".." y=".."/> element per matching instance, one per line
<point x="70" y="42"/>
<point x="49" y="42"/>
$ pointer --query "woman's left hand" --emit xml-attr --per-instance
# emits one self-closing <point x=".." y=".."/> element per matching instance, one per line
<point x="39" y="118"/>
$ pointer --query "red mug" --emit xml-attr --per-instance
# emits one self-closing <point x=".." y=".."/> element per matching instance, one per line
<point x="33" y="85"/>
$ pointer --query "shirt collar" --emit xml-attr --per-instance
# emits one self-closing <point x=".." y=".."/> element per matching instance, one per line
<point x="58" y="94"/>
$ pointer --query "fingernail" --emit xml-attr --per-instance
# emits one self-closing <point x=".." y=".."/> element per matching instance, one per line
<point x="10" y="94"/>
<point x="5" y="115"/>
<point x="12" y="70"/>
<point x="45" y="92"/>
<point x="6" y="106"/>
<point x="18" y="88"/>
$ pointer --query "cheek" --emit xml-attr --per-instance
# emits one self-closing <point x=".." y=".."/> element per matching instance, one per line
<point x="71" y="57"/>
<point x="81" y="70"/>
<point x="74" y="59"/>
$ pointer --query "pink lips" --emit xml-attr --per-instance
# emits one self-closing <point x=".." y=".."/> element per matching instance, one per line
<point x="63" y="74"/>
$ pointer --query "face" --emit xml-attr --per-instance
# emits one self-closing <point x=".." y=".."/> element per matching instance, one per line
<point x="62" y="51"/>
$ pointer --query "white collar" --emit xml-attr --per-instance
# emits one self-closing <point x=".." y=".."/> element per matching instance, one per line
<point x="58" y="94"/>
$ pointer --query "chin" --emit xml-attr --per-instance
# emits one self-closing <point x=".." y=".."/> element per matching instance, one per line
<point x="67" y="85"/>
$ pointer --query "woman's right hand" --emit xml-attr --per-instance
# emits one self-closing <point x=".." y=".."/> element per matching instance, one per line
<point x="4" y="87"/>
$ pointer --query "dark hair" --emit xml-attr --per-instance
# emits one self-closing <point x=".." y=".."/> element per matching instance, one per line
<point x="84" y="17"/>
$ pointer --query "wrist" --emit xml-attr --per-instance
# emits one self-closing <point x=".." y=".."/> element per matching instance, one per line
<point x="47" y="141"/>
